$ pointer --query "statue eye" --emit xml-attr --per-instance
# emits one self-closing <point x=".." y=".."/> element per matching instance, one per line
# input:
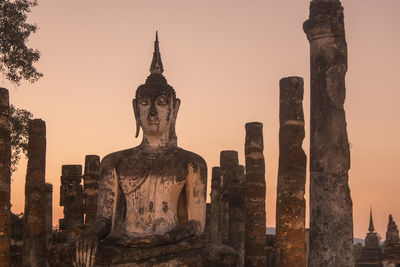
<point x="162" y="100"/>
<point x="144" y="101"/>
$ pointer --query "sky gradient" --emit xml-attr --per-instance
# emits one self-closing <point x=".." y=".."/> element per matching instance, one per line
<point x="225" y="59"/>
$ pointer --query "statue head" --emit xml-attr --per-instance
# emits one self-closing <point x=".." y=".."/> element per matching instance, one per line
<point x="155" y="104"/>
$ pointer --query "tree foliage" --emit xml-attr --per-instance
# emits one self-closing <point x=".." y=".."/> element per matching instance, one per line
<point x="19" y="122"/>
<point x="16" y="59"/>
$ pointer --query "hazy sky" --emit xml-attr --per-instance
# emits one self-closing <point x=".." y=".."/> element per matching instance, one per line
<point x="225" y="59"/>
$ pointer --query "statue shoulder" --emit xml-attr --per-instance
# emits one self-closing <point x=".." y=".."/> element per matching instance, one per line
<point x="112" y="159"/>
<point x="195" y="160"/>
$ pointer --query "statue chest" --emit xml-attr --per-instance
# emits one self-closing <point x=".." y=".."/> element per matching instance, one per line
<point x="151" y="191"/>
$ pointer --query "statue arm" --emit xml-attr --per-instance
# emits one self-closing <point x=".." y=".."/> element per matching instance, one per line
<point x="107" y="198"/>
<point x="196" y="188"/>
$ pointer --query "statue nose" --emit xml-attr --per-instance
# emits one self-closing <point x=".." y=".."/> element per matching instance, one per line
<point x="153" y="110"/>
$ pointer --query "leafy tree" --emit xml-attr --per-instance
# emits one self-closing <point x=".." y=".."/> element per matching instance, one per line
<point x="19" y="121"/>
<point x="16" y="59"/>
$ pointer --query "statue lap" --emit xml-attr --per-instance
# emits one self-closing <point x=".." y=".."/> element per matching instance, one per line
<point x="184" y="253"/>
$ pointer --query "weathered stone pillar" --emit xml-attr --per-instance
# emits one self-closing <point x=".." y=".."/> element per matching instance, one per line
<point x="331" y="216"/>
<point x="228" y="161"/>
<point x="71" y="197"/>
<point x="216" y="206"/>
<point x="49" y="213"/>
<point x="34" y="248"/>
<point x="255" y="227"/>
<point x="91" y="187"/>
<point x="237" y="212"/>
<point x="5" y="173"/>
<point x="207" y="228"/>
<point x="290" y="202"/>
<point x="17" y="239"/>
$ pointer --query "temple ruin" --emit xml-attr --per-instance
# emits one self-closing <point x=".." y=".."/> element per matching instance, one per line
<point x="146" y="206"/>
<point x="391" y="247"/>
<point x="371" y="255"/>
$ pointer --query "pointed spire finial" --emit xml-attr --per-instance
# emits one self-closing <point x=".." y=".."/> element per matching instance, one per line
<point x="371" y="227"/>
<point x="156" y="64"/>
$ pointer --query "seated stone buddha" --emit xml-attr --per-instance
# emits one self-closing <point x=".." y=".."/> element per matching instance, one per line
<point x="152" y="198"/>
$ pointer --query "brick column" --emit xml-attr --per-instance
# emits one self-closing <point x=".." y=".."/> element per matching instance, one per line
<point x="34" y="248"/>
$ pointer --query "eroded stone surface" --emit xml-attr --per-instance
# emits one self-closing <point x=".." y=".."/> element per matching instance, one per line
<point x="34" y="247"/>
<point x="255" y="188"/>
<point x="5" y="161"/>
<point x="290" y="203"/>
<point x="331" y="216"/>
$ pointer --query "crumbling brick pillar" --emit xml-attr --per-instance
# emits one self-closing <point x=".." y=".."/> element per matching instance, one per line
<point x="5" y="173"/>
<point x="91" y="187"/>
<point x="255" y="188"/>
<point x="34" y="247"/>
<point x="228" y="161"/>
<point x="49" y="213"/>
<point x="331" y="215"/>
<point x="207" y="228"/>
<point x="290" y="202"/>
<point x="216" y="206"/>
<point x="237" y="212"/>
<point x="71" y="197"/>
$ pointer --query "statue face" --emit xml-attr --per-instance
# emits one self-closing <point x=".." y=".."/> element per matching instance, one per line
<point x="156" y="112"/>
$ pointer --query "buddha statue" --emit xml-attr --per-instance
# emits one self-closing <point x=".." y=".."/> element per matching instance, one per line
<point x="152" y="198"/>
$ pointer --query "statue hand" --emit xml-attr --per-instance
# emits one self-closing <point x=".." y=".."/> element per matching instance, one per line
<point x="86" y="247"/>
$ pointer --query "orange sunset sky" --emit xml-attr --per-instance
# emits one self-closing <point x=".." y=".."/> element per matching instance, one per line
<point x="225" y="59"/>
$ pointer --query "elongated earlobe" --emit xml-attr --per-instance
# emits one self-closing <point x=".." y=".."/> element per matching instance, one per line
<point x="137" y="116"/>
<point x="172" y="133"/>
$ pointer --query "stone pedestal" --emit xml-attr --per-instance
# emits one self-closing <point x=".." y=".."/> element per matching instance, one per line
<point x="34" y="248"/>
<point x="290" y="202"/>
<point x="331" y="216"/>
<point x="91" y="187"/>
<point x="5" y="173"/>
<point x="255" y="188"/>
